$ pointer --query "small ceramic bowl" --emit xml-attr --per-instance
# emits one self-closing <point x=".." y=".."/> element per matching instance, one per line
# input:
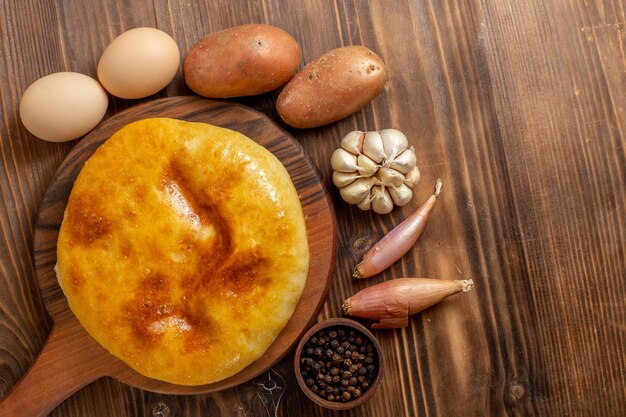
<point x="349" y="325"/>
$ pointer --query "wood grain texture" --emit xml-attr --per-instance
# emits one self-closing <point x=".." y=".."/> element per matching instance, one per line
<point x="518" y="105"/>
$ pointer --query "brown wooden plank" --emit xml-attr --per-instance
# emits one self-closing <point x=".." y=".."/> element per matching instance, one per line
<point x="518" y="105"/>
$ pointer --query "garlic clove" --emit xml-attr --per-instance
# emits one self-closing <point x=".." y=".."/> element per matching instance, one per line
<point x="366" y="166"/>
<point x="405" y="161"/>
<point x="381" y="200"/>
<point x="366" y="203"/>
<point x="373" y="147"/>
<point x="354" y="192"/>
<point x="341" y="179"/>
<point x="390" y="177"/>
<point x="394" y="142"/>
<point x="343" y="161"/>
<point x="413" y="177"/>
<point x="400" y="195"/>
<point x="353" y="142"/>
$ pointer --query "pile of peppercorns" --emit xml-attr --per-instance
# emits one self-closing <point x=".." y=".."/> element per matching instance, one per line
<point x="338" y="364"/>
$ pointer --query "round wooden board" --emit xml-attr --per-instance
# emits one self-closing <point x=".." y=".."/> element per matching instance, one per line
<point x="318" y="211"/>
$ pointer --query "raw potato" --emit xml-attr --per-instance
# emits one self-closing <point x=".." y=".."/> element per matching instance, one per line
<point x="242" y="61"/>
<point x="332" y="87"/>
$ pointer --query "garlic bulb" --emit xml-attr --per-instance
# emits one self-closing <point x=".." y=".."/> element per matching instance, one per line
<point x="375" y="170"/>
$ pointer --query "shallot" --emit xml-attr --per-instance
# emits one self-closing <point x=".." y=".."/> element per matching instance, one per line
<point x="391" y="302"/>
<point x="397" y="242"/>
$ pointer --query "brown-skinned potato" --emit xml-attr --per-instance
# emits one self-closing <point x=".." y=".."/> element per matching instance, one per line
<point x="332" y="87"/>
<point x="242" y="61"/>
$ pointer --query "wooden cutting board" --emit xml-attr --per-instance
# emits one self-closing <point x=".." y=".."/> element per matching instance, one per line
<point x="72" y="359"/>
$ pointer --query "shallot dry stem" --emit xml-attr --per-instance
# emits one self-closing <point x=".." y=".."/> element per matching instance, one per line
<point x="398" y="241"/>
<point x="391" y="302"/>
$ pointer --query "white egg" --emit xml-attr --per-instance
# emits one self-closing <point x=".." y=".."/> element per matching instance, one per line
<point x="63" y="106"/>
<point x="138" y="63"/>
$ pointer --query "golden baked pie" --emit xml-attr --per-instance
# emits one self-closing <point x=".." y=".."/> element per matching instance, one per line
<point x="183" y="249"/>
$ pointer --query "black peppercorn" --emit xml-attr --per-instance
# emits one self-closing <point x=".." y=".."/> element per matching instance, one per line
<point x="338" y="365"/>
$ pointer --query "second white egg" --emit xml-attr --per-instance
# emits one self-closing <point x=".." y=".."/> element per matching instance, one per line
<point x="139" y="63"/>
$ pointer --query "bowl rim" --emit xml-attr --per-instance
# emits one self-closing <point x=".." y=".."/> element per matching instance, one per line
<point x="339" y="321"/>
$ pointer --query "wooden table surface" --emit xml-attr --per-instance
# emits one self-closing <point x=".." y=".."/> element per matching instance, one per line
<point x="519" y="106"/>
